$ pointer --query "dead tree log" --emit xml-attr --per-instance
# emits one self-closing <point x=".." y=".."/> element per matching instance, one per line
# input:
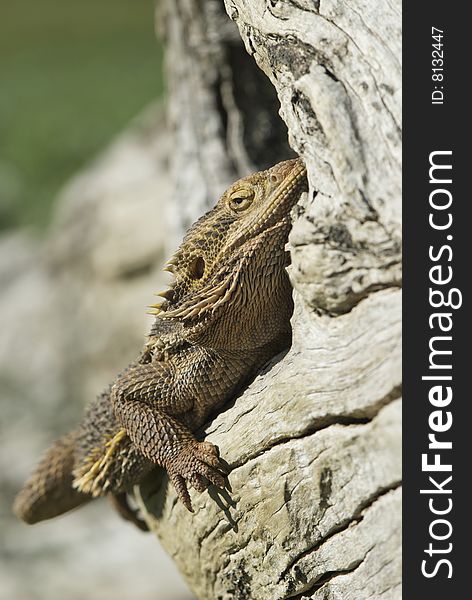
<point x="314" y="442"/>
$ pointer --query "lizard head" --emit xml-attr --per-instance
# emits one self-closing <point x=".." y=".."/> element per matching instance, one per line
<point x="250" y="212"/>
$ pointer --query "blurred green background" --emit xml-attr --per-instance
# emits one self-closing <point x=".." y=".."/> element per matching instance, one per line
<point x="72" y="74"/>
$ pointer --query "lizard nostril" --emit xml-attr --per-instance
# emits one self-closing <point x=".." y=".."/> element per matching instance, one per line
<point x="274" y="178"/>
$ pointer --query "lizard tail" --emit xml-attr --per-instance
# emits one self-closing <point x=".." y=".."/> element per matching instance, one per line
<point x="49" y="492"/>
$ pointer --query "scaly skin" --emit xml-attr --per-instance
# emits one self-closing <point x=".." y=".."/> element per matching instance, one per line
<point x="225" y="315"/>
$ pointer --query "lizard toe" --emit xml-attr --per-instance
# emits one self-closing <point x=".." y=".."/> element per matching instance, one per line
<point x="210" y="473"/>
<point x="208" y="453"/>
<point x="209" y="448"/>
<point x="198" y="482"/>
<point x="181" y="489"/>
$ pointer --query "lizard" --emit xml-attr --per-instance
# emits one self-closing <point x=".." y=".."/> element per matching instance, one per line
<point x="226" y="313"/>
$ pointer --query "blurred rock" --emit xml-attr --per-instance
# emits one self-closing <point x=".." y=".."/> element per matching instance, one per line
<point x="72" y="314"/>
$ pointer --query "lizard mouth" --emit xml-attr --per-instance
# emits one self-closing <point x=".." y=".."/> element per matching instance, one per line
<point x="292" y="177"/>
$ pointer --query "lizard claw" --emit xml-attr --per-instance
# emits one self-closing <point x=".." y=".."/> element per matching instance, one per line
<point x="197" y="465"/>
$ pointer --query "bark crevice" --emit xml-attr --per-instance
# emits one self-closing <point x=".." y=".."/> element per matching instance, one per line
<point x="354" y="519"/>
<point x="357" y="417"/>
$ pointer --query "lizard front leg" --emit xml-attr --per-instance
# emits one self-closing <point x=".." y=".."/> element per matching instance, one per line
<point x="143" y="406"/>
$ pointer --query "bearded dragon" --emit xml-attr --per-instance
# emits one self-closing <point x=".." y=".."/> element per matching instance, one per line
<point x="225" y="315"/>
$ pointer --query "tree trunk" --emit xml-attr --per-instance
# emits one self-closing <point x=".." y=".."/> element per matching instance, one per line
<point x="314" y="442"/>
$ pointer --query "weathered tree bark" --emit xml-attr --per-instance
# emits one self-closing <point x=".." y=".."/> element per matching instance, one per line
<point x="222" y="110"/>
<point x="314" y="442"/>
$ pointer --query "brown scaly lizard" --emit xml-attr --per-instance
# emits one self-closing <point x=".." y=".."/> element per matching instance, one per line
<point x="224" y="316"/>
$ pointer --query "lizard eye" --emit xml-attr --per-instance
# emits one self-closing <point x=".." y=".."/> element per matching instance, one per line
<point x="241" y="200"/>
<point x="197" y="267"/>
